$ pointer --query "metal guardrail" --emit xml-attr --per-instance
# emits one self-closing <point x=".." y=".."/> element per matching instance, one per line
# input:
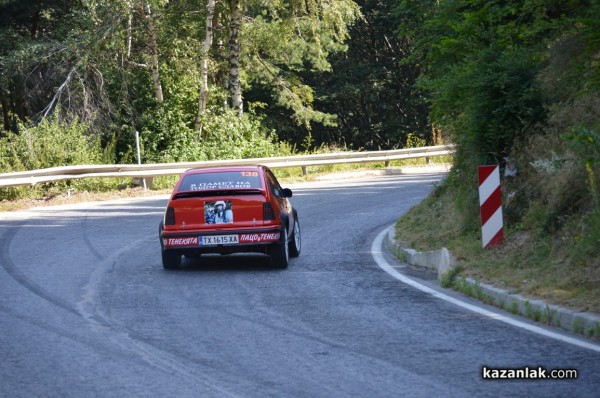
<point x="33" y="177"/>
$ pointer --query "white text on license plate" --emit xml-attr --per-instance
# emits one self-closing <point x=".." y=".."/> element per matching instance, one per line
<point x="218" y="240"/>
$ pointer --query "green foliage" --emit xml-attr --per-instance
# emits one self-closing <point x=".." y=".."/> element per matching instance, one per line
<point x="514" y="79"/>
<point x="449" y="279"/>
<point x="486" y="100"/>
<point x="228" y="137"/>
<point x="471" y="289"/>
<point x="585" y="240"/>
<point x="166" y="137"/>
<point x="277" y="70"/>
<point x="370" y="88"/>
<point x="514" y="308"/>
<point x="50" y="144"/>
<point x="578" y="326"/>
<point x="482" y="60"/>
<point x="531" y="312"/>
<point x="585" y="142"/>
<point x="414" y="141"/>
<point x="92" y="59"/>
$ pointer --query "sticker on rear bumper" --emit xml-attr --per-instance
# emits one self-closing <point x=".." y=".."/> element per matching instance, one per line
<point x="260" y="237"/>
<point x="173" y="242"/>
<point x="211" y="240"/>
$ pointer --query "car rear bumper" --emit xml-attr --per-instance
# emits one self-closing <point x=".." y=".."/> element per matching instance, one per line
<point x="223" y="241"/>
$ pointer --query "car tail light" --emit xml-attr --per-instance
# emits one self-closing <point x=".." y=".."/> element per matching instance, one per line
<point x="268" y="213"/>
<point x="170" y="216"/>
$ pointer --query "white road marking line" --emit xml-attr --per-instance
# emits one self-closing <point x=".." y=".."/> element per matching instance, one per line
<point x="384" y="265"/>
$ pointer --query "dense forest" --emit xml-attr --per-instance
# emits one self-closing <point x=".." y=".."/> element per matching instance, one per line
<point x="205" y="79"/>
<point x="196" y="77"/>
<point x="515" y="81"/>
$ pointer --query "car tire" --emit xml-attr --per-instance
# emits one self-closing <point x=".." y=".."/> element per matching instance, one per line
<point x="280" y="253"/>
<point x="171" y="260"/>
<point x="296" y="241"/>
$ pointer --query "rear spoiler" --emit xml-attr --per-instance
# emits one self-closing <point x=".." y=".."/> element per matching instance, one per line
<point x="217" y="192"/>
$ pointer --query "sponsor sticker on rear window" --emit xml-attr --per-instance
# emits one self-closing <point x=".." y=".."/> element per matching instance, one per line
<point x="218" y="181"/>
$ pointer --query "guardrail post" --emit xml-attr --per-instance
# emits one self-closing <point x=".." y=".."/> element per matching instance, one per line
<point x="304" y="170"/>
<point x="139" y="181"/>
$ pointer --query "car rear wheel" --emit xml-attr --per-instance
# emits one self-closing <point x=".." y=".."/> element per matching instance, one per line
<point x="171" y="260"/>
<point x="296" y="242"/>
<point x="280" y="253"/>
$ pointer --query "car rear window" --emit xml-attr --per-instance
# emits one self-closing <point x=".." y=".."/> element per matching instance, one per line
<point x="246" y="179"/>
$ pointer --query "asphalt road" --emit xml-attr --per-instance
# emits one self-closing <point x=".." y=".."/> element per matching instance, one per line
<point x="86" y="310"/>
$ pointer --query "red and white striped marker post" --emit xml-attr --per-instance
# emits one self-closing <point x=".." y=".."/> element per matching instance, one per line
<point x="490" y="202"/>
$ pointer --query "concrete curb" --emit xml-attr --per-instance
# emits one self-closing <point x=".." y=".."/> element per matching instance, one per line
<point x="442" y="261"/>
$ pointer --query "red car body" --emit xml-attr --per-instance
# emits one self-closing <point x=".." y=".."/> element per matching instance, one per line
<point x="229" y="210"/>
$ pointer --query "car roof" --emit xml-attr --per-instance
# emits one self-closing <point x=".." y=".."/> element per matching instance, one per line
<point x="221" y="169"/>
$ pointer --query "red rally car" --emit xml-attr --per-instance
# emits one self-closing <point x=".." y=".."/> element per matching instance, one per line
<point x="229" y="210"/>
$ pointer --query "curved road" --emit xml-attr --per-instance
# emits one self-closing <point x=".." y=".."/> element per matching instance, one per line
<point x="87" y="310"/>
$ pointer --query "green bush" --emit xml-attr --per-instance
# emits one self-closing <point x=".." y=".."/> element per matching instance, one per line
<point x="51" y="143"/>
<point x="225" y="136"/>
<point x="167" y="137"/>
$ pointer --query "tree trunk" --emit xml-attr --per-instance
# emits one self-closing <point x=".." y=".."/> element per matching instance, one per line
<point x="436" y="136"/>
<point x="129" y="28"/>
<point x="203" y="97"/>
<point x="153" y="49"/>
<point x="35" y="20"/>
<point x="235" y="87"/>
<point x="5" y="112"/>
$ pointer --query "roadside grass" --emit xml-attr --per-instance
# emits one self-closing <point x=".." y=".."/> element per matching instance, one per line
<point x="38" y="198"/>
<point x="559" y="268"/>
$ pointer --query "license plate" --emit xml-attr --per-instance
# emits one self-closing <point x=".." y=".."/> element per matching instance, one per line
<point x="218" y="240"/>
